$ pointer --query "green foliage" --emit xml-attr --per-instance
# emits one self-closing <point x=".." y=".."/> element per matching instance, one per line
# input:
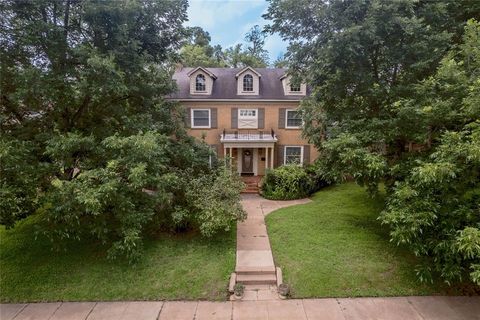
<point x="88" y="141"/>
<point x="392" y="81"/>
<point x="344" y="157"/>
<point x="199" y="52"/>
<point x="435" y="212"/>
<point x="18" y="177"/>
<point x="195" y="55"/>
<point x="215" y="201"/>
<point x="287" y="182"/>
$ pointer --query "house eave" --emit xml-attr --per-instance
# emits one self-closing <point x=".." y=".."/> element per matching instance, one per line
<point x="235" y="100"/>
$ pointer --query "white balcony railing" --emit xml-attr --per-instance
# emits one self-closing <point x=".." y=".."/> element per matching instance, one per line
<point x="248" y="136"/>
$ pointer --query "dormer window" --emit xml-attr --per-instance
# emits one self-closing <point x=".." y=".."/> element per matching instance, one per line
<point x="200" y="84"/>
<point x="295" y="88"/>
<point x="248" y="83"/>
<point x="201" y="81"/>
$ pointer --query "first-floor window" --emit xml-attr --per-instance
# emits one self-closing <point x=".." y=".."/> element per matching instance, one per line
<point x="200" y="118"/>
<point x="293" y="155"/>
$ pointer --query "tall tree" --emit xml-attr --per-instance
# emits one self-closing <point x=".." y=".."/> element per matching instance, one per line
<point x="197" y="36"/>
<point x="364" y="60"/>
<point x="88" y="140"/>
<point x="281" y="61"/>
<point x="197" y="51"/>
<point x="435" y="211"/>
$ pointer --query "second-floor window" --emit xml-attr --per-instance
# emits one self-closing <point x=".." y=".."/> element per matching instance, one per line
<point x="293" y="119"/>
<point x="248" y="82"/>
<point x="247" y="118"/>
<point x="200" y="118"/>
<point x="200" y="83"/>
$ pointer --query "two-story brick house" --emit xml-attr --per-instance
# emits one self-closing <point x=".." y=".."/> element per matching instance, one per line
<point x="247" y="114"/>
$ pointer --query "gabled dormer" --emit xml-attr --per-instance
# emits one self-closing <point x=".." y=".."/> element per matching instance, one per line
<point x="201" y="81"/>
<point x="293" y="89"/>
<point x="248" y="82"/>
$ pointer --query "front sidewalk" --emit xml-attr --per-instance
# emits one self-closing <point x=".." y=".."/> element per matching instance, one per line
<point x="255" y="266"/>
<point x="408" y="308"/>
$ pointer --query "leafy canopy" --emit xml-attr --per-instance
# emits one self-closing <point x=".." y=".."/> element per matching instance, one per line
<point x="199" y="52"/>
<point x="391" y="80"/>
<point x="88" y="141"/>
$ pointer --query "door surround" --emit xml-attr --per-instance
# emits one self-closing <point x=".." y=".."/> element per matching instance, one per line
<point x="246" y="159"/>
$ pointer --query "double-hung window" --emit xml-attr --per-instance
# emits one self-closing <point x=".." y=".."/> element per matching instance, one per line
<point x="293" y="155"/>
<point x="293" y="119"/>
<point x="200" y="118"/>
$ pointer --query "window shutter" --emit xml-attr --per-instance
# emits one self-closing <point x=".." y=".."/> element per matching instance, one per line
<point x="281" y="118"/>
<point x="280" y="151"/>
<point x="306" y="154"/>
<point x="213" y="120"/>
<point x="234" y="118"/>
<point x="188" y="120"/>
<point x="261" y="118"/>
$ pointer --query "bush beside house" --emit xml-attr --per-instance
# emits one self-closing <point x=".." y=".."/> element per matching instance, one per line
<point x="291" y="182"/>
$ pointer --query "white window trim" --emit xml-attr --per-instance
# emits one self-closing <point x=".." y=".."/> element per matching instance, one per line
<point x="285" y="154"/>
<point x="201" y="127"/>
<point x="286" y="120"/>
<point x="248" y="118"/>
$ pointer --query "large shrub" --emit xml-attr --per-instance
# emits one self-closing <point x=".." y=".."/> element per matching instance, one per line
<point x="288" y="182"/>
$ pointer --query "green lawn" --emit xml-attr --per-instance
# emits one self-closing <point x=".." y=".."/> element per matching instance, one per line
<point x="335" y="247"/>
<point x="172" y="268"/>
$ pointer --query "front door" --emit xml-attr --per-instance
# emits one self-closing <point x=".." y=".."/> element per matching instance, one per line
<point x="247" y="161"/>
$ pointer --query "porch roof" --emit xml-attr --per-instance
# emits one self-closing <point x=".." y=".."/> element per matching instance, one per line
<point x="248" y="136"/>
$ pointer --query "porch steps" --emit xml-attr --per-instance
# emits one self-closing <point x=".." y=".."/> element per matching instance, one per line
<point x="251" y="184"/>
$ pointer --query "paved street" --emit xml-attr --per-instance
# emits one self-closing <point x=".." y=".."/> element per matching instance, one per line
<point x="401" y="308"/>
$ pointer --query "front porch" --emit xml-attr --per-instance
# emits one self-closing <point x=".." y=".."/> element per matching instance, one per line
<point x="252" y="184"/>
<point x="250" y="152"/>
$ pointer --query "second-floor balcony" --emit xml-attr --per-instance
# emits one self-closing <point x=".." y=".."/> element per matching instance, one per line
<point x="248" y="136"/>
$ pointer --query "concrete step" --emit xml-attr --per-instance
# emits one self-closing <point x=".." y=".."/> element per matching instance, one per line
<point x="255" y="270"/>
<point x="257" y="278"/>
<point x="250" y="191"/>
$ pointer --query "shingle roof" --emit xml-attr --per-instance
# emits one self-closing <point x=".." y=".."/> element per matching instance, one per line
<point x="225" y="86"/>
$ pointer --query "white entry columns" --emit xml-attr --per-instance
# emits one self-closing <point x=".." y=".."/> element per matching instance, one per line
<point x="268" y="158"/>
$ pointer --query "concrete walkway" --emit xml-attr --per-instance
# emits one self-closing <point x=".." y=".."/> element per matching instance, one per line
<point x="402" y="308"/>
<point x="255" y="267"/>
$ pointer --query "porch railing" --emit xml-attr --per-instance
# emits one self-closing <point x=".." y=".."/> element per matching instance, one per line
<point x="247" y="135"/>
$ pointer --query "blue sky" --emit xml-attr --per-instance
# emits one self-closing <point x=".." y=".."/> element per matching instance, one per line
<point x="227" y="22"/>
